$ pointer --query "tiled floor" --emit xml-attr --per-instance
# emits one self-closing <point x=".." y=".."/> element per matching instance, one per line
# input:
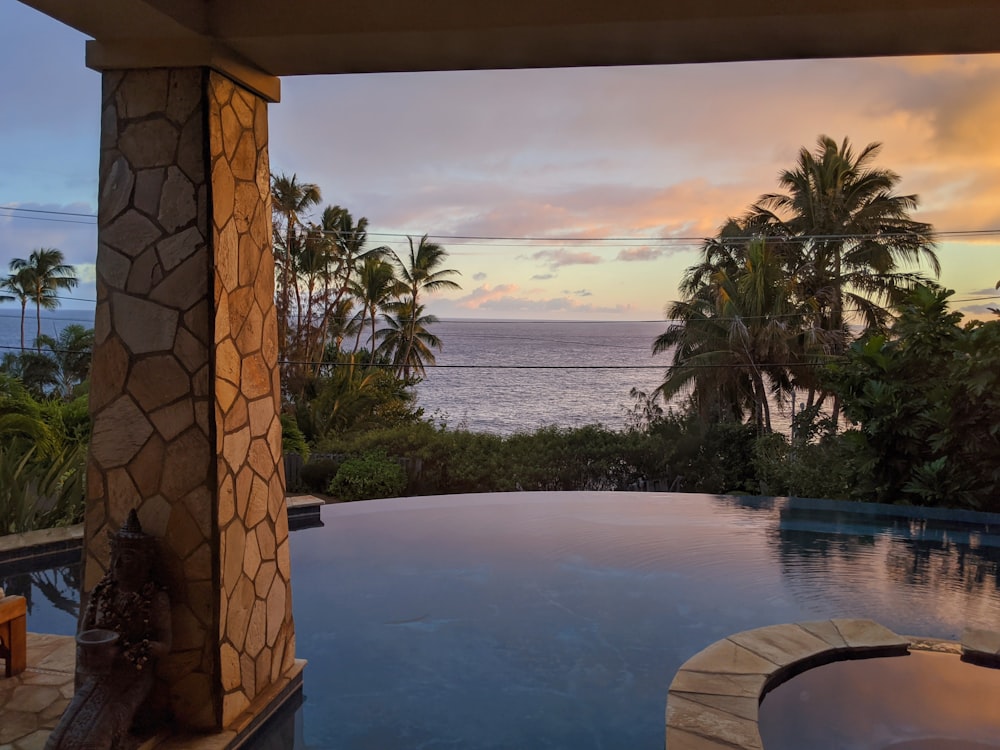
<point x="32" y="702"/>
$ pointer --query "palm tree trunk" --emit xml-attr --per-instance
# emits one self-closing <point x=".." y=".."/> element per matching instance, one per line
<point x="38" y="320"/>
<point x="24" y="305"/>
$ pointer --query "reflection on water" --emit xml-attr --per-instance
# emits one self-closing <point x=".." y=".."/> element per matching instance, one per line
<point x="52" y="594"/>
<point x="946" y="569"/>
<point x="924" y="700"/>
<point x="554" y="620"/>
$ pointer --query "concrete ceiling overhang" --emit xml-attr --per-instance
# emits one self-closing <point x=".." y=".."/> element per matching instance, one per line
<point x="257" y="42"/>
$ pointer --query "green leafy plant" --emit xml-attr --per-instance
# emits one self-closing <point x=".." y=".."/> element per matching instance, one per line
<point x="367" y="477"/>
<point x="40" y="493"/>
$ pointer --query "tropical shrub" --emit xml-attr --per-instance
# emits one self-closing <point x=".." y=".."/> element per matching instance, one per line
<point x="40" y="493"/>
<point x="367" y="477"/>
<point x="925" y="400"/>
<point x="292" y="439"/>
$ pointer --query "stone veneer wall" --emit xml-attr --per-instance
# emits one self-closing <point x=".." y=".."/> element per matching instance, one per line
<point x="184" y="390"/>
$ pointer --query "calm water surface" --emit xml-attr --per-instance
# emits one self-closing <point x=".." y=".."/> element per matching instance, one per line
<point x="557" y="620"/>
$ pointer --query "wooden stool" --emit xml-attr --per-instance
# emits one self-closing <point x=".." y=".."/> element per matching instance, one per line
<point x="14" y="633"/>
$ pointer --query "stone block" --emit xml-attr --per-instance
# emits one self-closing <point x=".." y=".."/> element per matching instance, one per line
<point x="233" y="540"/>
<point x="186" y="285"/>
<point x="275" y="611"/>
<point x="826" y="630"/>
<point x="781" y="644"/>
<point x="176" y="248"/>
<point x="869" y="635"/>
<point x="184" y="533"/>
<point x="142" y="93"/>
<point x="116" y="190"/>
<point x="710" y="683"/>
<point x="130" y="233"/>
<point x="144" y="326"/>
<point x="148" y="184"/>
<point x="146" y="469"/>
<point x="727" y="657"/>
<point x="149" y="143"/>
<point x="257" y="628"/>
<point x="699" y="719"/>
<point x="230" y="667"/>
<point x="120" y="430"/>
<point x="156" y="381"/>
<point x="981" y="643"/>
<point x="184" y="94"/>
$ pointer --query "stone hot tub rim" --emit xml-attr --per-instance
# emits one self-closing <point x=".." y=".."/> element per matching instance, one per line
<point x="714" y="698"/>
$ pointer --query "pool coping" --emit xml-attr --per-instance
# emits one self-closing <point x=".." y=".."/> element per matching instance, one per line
<point x="713" y="701"/>
<point x="58" y="541"/>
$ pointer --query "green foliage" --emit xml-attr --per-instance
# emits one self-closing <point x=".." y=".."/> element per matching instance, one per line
<point x="353" y="398"/>
<point x="315" y="476"/>
<point x="40" y="493"/>
<point x="824" y="469"/>
<point x="458" y="461"/>
<point x="774" y="293"/>
<point x="926" y="402"/>
<point x="369" y="476"/>
<point x="292" y="439"/>
<point x="715" y="457"/>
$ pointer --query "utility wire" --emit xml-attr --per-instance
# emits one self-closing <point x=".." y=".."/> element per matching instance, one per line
<point x="585" y="240"/>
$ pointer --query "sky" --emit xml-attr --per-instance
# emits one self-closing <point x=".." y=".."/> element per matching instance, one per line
<point x="596" y="182"/>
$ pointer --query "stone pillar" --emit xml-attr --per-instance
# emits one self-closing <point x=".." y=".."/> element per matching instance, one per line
<point x="185" y="391"/>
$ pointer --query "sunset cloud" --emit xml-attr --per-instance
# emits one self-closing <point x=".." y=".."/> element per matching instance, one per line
<point x="522" y="306"/>
<point x="558" y="258"/>
<point x="640" y="254"/>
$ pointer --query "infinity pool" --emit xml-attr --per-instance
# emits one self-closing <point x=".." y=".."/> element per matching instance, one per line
<point x="557" y="620"/>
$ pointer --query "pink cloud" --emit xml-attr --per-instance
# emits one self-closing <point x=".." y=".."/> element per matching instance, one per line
<point x="562" y="257"/>
<point x="483" y="295"/>
<point x="640" y="253"/>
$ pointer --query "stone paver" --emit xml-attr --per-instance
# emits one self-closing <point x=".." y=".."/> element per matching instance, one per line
<point x="32" y="702"/>
<point x="781" y="644"/>
<point x="714" y="698"/>
<point x="981" y="644"/>
<point x="866" y="635"/>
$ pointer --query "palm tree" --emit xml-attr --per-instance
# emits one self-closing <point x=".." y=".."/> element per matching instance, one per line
<point x="421" y="271"/>
<point x="733" y="337"/>
<point x="289" y="199"/>
<point x="71" y="352"/>
<point x="19" y="282"/>
<point x="47" y="273"/>
<point x="343" y="242"/>
<point x="375" y="286"/>
<point x="406" y="342"/>
<point x="852" y="233"/>
<point x="852" y="230"/>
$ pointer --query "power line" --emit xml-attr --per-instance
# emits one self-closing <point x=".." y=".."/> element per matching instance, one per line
<point x="587" y="240"/>
<point x="561" y="367"/>
<point x="45" y="211"/>
<point x="45" y="218"/>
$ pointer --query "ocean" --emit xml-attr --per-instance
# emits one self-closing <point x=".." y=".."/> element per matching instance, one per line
<point x="500" y="376"/>
<point x="516" y="376"/>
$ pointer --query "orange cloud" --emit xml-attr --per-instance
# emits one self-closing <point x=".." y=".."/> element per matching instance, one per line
<point x="640" y="254"/>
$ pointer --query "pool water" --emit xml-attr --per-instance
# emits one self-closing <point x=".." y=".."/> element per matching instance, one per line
<point x="922" y="701"/>
<point x="558" y="620"/>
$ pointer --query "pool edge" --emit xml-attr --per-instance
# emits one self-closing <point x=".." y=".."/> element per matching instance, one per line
<point x="714" y="698"/>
